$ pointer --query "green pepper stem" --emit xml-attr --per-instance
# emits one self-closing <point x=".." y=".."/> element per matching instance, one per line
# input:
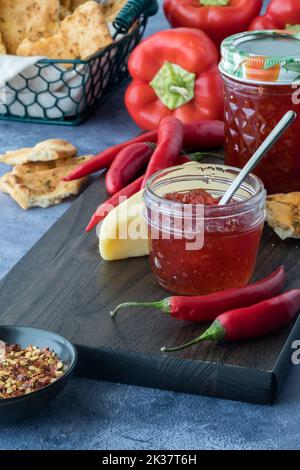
<point x="215" y="332"/>
<point x="163" y="305"/>
<point x="293" y="27"/>
<point x="214" y="3"/>
<point x="180" y="91"/>
<point x="174" y="85"/>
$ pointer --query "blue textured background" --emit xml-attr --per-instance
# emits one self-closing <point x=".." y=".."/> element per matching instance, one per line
<point x="100" y="415"/>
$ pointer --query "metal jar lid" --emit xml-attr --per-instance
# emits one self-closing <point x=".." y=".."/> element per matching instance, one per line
<point x="262" y="57"/>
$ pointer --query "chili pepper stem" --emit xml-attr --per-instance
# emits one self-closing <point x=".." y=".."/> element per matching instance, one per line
<point x="163" y="305"/>
<point x="214" y="333"/>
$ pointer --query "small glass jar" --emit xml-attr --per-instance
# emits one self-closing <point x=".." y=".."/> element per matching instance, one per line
<point x="259" y="88"/>
<point x="198" y="249"/>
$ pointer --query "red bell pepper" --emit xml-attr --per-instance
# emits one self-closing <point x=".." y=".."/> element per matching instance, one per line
<point x="175" y="72"/>
<point x="217" y="18"/>
<point x="280" y="14"/>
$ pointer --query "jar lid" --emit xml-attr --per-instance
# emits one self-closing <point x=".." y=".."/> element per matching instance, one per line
<point x="262" y="56"/>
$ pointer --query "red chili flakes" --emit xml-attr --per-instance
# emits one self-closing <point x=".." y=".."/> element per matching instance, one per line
<point x="26" y="370"/>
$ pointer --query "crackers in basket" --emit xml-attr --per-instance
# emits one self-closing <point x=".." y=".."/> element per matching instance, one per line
<point x="112" y="8"/>
<point x="27" y="19"/>
<point x="36" y="177"/>
<point x="3" y="50"/>
<point x="81" y="34"/>
<point x="283" y="214"/>
<point x="57" y="29"/>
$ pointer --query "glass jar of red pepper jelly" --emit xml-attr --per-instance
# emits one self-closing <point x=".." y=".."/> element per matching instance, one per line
<point x="260" y="71"/>
<point x="196" y="246"/>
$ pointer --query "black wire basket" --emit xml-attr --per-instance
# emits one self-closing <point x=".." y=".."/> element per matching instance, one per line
<point x="67" y="91"/>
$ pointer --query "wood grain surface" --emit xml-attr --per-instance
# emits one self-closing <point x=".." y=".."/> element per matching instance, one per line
<point x="63" y="285"/>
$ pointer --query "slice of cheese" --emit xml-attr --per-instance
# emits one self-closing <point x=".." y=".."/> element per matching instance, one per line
<point x="123" y="233"/>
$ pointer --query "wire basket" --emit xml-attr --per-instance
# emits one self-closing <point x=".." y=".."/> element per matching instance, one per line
<point x="67" y="91"/>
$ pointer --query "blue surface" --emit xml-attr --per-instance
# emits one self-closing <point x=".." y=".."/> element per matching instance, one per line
<point x="100" y="415"/>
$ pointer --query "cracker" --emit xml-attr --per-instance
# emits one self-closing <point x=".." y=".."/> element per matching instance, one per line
<point x="76" y="3"/>
<point x="3" y="50"/>
<point x="112" y="9"/>
<point x="68" y="163"/>
<point x="45" y="151"/>
<point x="42" y="189"/>
<point x="27" y="19"/>
<point x="283" y="214"/>
<point x="81" y="35"/>
<point x="63" y="13"/>
<point x="67" y="4"/>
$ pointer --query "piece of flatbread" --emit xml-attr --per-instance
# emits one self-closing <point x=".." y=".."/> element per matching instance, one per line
<point x="81" y="35"/>
<point x="42" y="189"/>
<point x="27" y="19"/>
<point x="45" y="151"/>
<point x="283" y="214"/>
<point x="63" y="13"/>
<point x="68" y="163"/>
<point x="3" y="50"/>
<point x="76" y="3"/>
<point x="112" y="8"/>
<point x="67" y="4"/>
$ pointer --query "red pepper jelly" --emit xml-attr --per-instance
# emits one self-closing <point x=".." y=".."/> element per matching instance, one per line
<point x="261" y="71"/>
<point x="196" y="246"/>
<point x="194" y="196"/>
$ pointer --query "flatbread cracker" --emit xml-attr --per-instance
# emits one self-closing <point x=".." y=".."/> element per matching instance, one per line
<point x="81" y="35"/>
<point x="68" y="163"/>
<point x="42" y="189"/>
<point x="63" y="13"/>
<point x="48" y="150"/>
<point x="283" y="214"/>
<point x="67" y="4"/>
<point x="112" y="8"/>
<point x="76" y="3"/>
<point x="3" y="50"/>
<point x="27" y="19"/>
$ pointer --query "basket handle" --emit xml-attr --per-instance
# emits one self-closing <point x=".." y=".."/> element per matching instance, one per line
<point x="132" y="11"/>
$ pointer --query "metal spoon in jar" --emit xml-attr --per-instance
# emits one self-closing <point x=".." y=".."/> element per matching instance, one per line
<point x="272" y="138"/>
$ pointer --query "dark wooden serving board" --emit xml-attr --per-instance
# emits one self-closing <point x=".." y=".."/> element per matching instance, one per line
<point x="63" y="285"/>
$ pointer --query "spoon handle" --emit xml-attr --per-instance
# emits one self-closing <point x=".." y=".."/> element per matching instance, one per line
<point x="272" y="138"/>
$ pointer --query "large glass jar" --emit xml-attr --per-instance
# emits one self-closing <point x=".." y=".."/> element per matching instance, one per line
<point x="198" y="249"/>
<point x="259" y="88"/>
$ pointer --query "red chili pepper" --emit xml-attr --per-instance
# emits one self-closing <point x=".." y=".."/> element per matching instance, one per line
<point x="113" y="202"/>
<point x="250" y="322"/>
<point x="207" y="307"/>
<point x="202" y="135"/>
<point x="169" y="146"/>
<point x="127" y="165"/>
<point x="104" y="159"/>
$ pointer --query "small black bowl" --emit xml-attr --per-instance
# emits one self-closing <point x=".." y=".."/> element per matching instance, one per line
<point x="16" y="409"/>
